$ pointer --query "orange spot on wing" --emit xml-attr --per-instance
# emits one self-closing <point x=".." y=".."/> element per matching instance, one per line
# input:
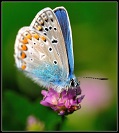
<point x="43" y="38"/>
<point x="36" y="36"/>
<point x="28" y="36"/>
<point x="24" y="47"/>
<point x="39" y="28"/>
<point x="24" y="40"/>
<point x="23" y="67"/>
<point x="23" y="55"/>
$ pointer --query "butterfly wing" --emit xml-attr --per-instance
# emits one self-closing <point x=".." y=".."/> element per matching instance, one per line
<point x="64" y="22"/>
<point x="49" y="26"/>
<point x="40" y="51"/>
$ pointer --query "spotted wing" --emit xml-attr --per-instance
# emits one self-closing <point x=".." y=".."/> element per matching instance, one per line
<point x="40" y="51"/>
<point x="46" y="22"/>
<point x="64" y="22"/>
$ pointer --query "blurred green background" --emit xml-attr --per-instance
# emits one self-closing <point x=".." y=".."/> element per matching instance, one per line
<point x="94" y="30"/>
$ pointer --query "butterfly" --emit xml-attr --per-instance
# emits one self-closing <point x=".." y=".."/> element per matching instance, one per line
<point x="44" y="50"/>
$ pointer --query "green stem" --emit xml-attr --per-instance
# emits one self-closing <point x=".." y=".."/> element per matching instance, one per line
<point x="59" y="125"/>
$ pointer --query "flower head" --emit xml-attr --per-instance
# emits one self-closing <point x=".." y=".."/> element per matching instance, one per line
<point x="65" y="102"/>
<point x="34" y="124"/>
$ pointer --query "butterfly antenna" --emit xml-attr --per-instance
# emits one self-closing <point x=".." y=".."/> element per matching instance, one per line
<point x="95" y="78"/>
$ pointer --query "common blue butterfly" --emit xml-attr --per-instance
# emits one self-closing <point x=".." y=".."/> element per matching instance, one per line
<point x="44" y="52"/>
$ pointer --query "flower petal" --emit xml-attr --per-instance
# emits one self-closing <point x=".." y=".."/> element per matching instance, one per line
<point x="45" y="103"/>
<point x="63" y="103"/>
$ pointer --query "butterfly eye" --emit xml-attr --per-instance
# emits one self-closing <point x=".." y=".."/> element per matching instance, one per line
<point x="73" y="83"/>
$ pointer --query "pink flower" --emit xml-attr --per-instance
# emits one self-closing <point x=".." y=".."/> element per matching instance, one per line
<point x="63" y="103"/>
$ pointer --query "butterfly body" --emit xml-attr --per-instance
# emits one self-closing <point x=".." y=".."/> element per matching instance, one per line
<point x="44" y="52"/>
